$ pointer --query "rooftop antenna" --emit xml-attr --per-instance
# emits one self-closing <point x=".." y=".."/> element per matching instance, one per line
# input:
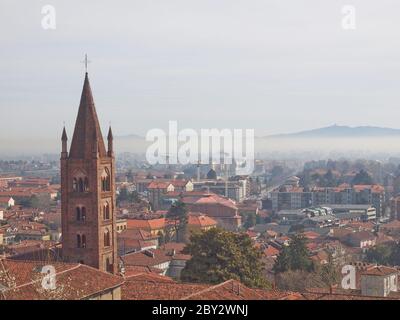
<point x="198" y="170"/>
<point x="226" y="180"/>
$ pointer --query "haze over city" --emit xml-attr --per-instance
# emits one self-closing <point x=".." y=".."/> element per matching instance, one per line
<point x="273" y="66"/>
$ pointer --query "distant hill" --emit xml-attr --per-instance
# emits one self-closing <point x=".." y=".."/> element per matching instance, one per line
<point x="332" y="141"/>
<point x="340" y="137"/>
<point x="336" y="131"/>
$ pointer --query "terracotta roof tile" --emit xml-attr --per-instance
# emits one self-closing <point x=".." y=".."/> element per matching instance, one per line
<point x="22" y="280"/>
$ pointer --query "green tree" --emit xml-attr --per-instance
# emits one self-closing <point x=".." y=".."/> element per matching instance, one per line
<point x="32" y="202"/>
<point x="178" y="213"/>
<point x="295" y="256"/>
<point x="122" y="195"/>
<point x="129" y="175"/>
<point x="125" y="195"/>
<point x="298" y="280"/>
<point x="250" y="220"/>
<point x="329" y="273"/>
<point x="328" y="179"/>
<point x="283" y="261"/>
<point x="385" y="254"/>
<point x="219" y="255"/>
<point x="362" y="177"/>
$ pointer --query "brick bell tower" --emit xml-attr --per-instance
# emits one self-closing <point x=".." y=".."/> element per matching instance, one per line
<point x="88" y="191"/>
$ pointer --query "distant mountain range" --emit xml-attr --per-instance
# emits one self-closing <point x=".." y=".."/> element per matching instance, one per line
<point x="336" y="131"/>
<point x="333" y="131"/>
<point x="340" y="138"/>
<point x="322" y="142"/>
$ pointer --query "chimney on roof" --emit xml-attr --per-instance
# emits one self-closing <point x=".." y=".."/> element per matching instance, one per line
<point x="237" y="289"/>
<point x="149" y="253"/>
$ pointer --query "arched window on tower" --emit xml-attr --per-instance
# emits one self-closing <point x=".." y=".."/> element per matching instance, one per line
<point x="108" y="265"/>
<point x="106" y="211"/>
<point x="105" y="180"/>
<point x="78" y="214"/>
<point x="83" y="241"/>
<point x="80" y="185"/>
<point x="75" y="184"/>
<point x="83" y="214"/>
<point x="107" y="240"/>
<point x="86" y="184"/>
<point x="78" y="241"/>
<point x="80" y="182"/>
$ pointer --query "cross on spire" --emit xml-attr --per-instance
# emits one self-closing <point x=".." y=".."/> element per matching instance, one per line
<point x="86" y="62"/>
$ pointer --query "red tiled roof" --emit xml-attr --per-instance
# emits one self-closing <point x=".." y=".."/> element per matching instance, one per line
<point x="148" y="286"/>
<point x="131" y="271"/>
<point x="374" y="188"/>
<point x="158" y="185"/>
<point x="201" y="220"/>
<point x="73" y="281"/>
<point x="311" y="235"/>
<point x="145" y="258"/>
<point x="210" y="199"/>
<point x="177" y="246"/>
<point x="271" y="251"/>
<point x="154" y="287"/>
<point x="137" y="234"/>
<point x="5" y="200"/>
<point x="150" y="224"/>
<point x="379" y="271"/>
<point x="228" y="290"/>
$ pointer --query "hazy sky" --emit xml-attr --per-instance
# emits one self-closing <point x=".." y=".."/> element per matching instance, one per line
<point x="275" y="66"/>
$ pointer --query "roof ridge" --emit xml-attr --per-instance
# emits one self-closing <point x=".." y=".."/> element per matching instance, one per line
<point x="209" y="289"/>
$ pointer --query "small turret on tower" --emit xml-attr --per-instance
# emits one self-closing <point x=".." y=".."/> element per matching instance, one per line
<point x="110" y="139"/>
<point x="64" y="139"/>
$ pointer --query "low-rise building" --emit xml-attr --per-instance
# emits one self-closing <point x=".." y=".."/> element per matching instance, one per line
<point x="154" y="226"/>
<point x="361" y="239"/>
<point x="221" y="209"/>
<point x="121" y="225"/>
<point x="167" y="260"/>
<point x="7" y="202"/>
<point x="132" y="240"/>
<point x="379" y="281"/>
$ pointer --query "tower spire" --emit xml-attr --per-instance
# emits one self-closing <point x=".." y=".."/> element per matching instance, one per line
<point x="86" y="127"/>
